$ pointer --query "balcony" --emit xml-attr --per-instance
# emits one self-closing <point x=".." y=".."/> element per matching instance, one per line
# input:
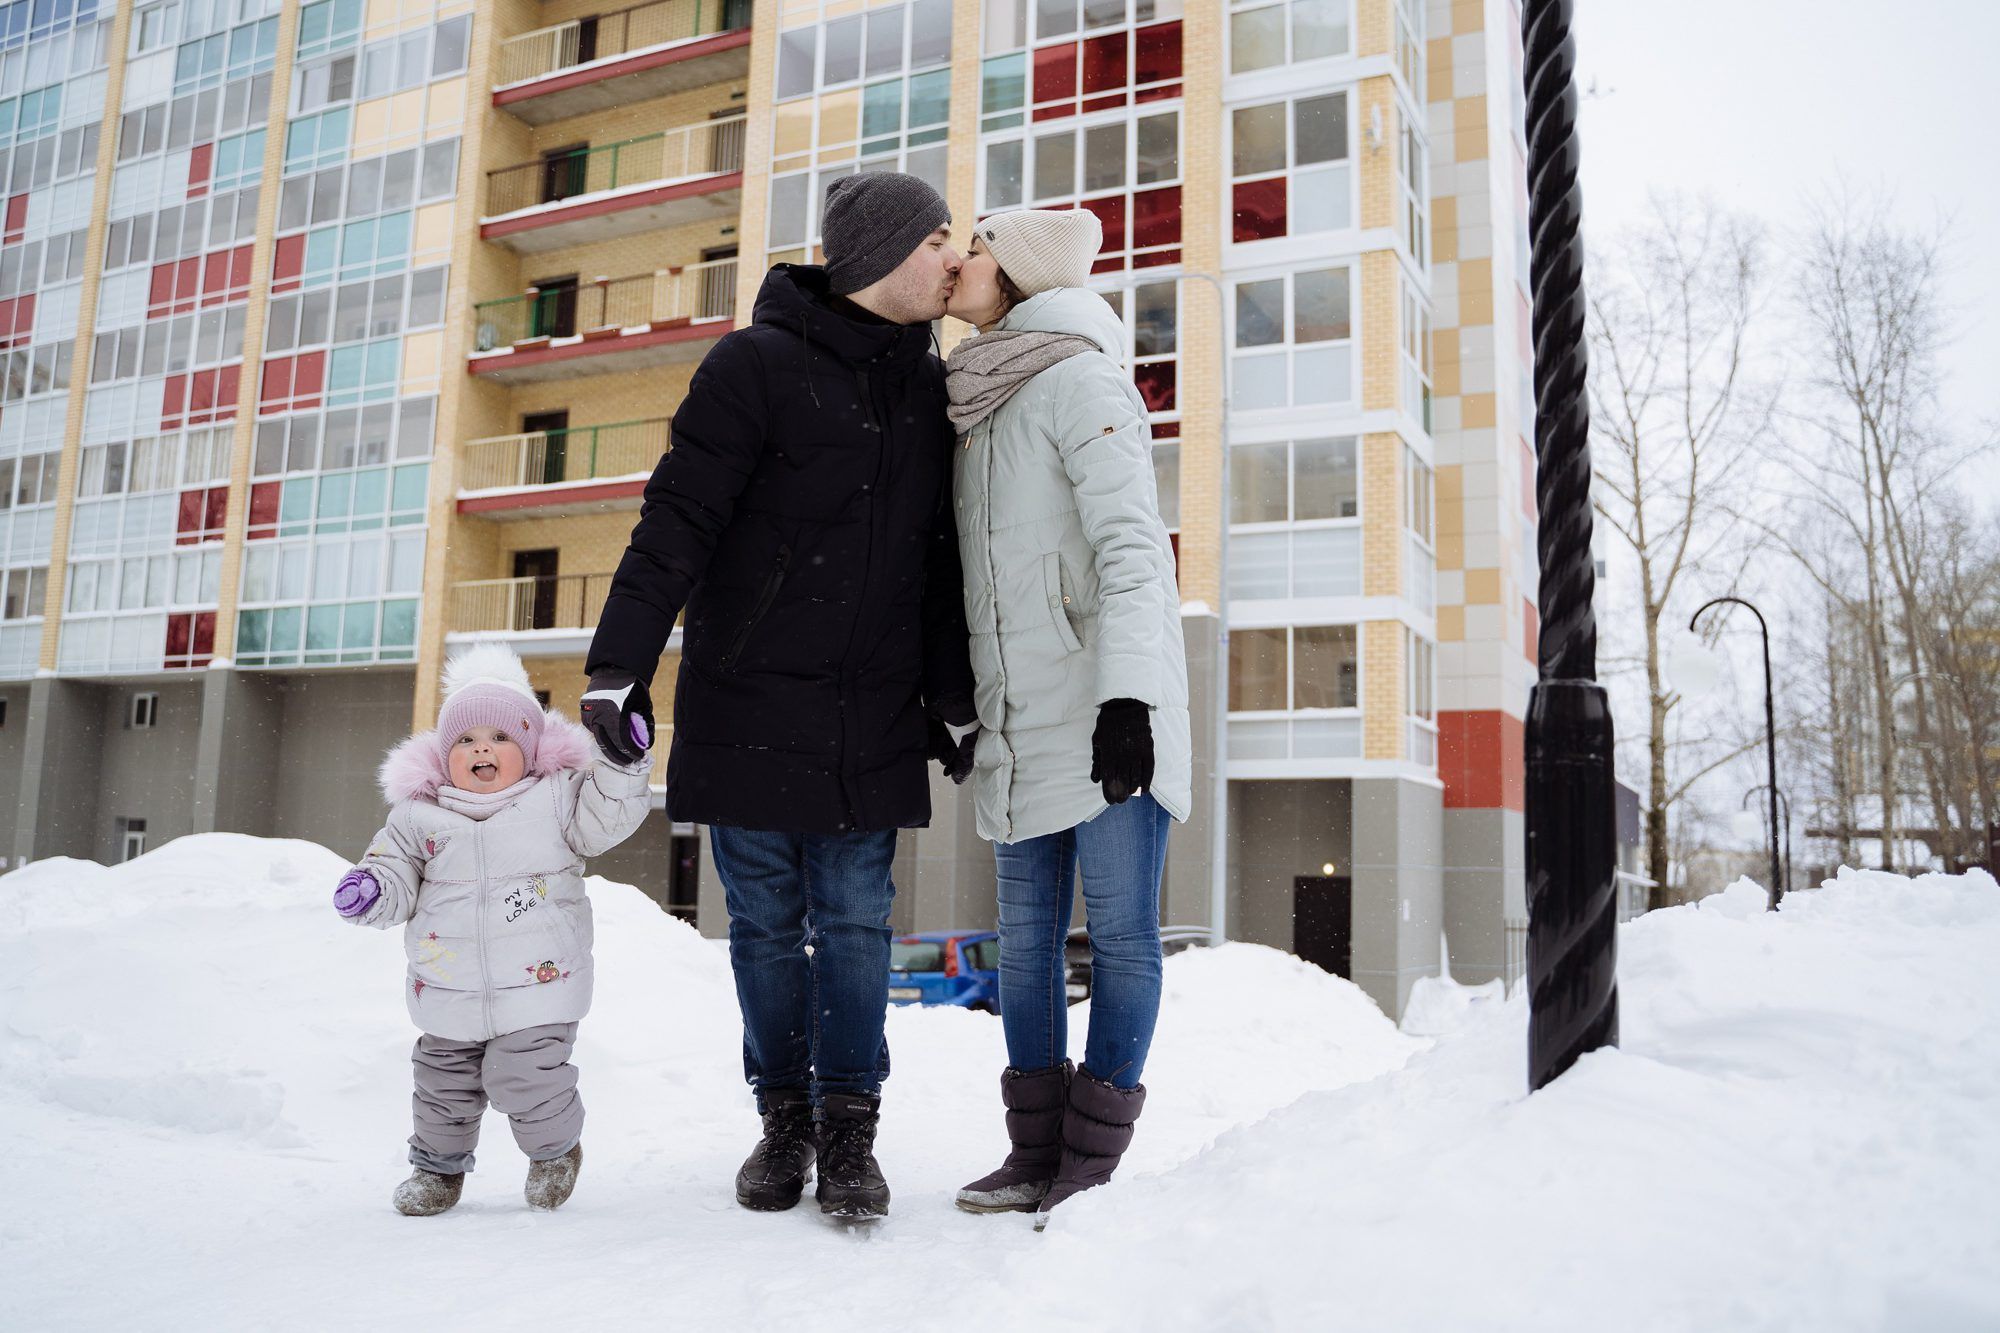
<point x="617" y="59"/>
<point x="549" y="615"/>
<point x="562" y="329"/>
<point x="550" y="474"/>
<point x="691" y="173"/>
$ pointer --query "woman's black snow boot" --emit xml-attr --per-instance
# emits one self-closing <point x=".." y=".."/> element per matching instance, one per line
<point x="1034" y="1099"/>
<point x="1096" y="1131"/>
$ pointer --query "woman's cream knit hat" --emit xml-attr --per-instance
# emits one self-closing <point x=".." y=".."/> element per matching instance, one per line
<point x="1042" y="248"/>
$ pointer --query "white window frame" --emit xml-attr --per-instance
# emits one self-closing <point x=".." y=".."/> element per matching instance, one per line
<point x="1420" y="686"/>
<point x="131" y="838"/>
<point x="1291" y="524"/>
<point x="1288" y="347"/>
<point x="1245" y="6"/>
<point x="142" y="710"/>
<point x="1291" y="168"/>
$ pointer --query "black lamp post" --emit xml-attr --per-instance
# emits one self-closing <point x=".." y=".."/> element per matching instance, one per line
<point x="1770" y="735"/>
<point x="1785" y="802"/>
<point x="1571" y="815"/>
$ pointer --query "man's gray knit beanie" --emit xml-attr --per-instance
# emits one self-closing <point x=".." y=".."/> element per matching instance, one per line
<point x="871" y="224"/>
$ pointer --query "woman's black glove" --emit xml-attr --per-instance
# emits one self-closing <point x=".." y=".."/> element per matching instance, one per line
<point x="954" y="756"/>
<point x="1121" y="749"/>
<point x="619" y="714"/>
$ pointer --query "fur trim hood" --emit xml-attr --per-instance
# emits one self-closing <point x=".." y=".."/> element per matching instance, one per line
<point x="415" y="768"/>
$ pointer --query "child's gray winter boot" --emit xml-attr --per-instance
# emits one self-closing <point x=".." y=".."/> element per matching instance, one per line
<point x="550" y="1183"/>
<point x="426" y="1193"/>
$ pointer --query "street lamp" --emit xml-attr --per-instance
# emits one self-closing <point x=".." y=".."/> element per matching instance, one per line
<point x="1786" y="803"/>
<point x="1770" y="734"/>
<point x="1571" y="816"/>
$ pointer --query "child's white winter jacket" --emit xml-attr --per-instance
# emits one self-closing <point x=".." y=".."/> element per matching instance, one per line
<point x="489" y="889"/>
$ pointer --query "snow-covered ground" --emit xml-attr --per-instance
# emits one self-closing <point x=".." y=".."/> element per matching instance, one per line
<point x="205" y="1083"/>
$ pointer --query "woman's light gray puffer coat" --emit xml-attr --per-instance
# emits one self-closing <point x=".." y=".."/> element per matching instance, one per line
<point x="496" y="925"/>
<point x="1069" y="582"/>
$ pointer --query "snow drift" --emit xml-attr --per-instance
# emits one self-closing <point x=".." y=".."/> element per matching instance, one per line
<point x="207" y="1079"/>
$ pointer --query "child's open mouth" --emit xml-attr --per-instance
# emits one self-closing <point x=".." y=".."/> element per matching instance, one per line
<point x="485" y="772"/>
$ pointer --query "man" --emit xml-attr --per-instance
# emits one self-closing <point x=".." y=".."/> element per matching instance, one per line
<point x="802" y="521"/>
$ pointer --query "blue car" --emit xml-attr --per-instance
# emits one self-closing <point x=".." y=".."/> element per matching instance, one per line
<point x="959" y="967"/>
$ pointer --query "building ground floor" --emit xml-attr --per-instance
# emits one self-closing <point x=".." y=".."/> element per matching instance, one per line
<point x="1375" y="878"/>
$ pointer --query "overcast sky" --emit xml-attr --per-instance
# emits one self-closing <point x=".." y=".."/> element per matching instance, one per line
<point x="1762" y="102"/>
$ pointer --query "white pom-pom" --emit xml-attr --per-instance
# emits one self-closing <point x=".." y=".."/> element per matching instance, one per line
<point x="494" y="663"/>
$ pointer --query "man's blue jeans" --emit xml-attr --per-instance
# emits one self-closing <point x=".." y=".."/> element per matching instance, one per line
<point x="1120" y="855"/>
<point x="811" y="1021"/>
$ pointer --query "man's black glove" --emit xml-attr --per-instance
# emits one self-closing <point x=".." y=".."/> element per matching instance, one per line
<point x="619" y="713"/>
<point x="954" y="756"/>
<point x="1121" y="749"/>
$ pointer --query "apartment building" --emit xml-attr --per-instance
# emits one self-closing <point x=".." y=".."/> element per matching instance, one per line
<point x="336" y="334"/>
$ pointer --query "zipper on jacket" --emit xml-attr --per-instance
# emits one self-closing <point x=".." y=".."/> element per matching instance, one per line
<point x="760" y="608"/>
<point x="993" y="591"/>
<point x="865" y="387"/>
<point x="485" y="905"/>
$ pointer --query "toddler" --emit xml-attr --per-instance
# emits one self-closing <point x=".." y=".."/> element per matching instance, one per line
<point x="481" y="863"/>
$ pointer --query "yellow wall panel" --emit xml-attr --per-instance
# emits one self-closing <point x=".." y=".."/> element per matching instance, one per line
<point x="421" y="363"/>
<point x="446" y="105"/>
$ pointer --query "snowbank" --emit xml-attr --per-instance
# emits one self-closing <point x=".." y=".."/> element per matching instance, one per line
<point x="211" y="1074"/>
<point x="206" y="1077"/>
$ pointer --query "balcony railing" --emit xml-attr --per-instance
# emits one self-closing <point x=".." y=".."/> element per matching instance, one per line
<point x="549" y="458"/>
<point x="711" y="148"/>
<point x="696" y="294"/>
<point x="517" y="606"/>
<point x="580" y="41"/>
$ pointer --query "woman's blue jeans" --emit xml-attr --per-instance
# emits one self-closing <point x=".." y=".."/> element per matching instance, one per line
<point x="1119" y="856"/>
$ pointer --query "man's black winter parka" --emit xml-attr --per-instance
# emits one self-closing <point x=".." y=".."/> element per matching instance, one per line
<point x="802" y="520"/>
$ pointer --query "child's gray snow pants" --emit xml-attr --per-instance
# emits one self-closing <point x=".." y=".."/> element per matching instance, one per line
<point x="526" y="1074"/>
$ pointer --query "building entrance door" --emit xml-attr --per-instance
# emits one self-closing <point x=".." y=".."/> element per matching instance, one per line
<point x="1323" y="922"/>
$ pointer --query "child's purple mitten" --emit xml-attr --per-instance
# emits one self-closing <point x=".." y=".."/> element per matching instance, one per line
<point x="356" y="893"/>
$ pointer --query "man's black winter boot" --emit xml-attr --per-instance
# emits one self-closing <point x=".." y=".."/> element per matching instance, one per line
<point x="776" y="1172"/>
<point x="850" y="1180"/>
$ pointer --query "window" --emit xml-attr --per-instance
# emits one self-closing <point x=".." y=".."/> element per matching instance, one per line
<point x="22" y="592"/>
<point x="1064" y="75"/>
<point x="896" y="124"/>
<point x="1152" y="326"/>
<point x="1294" y="340"/>
<point x="1413" y="170"/>
<point x="1421" y="695"/>
<point x="1416" y="346"/>
<point x="1410" y="53"/>
<point x="1136" y="159"/>
<point x="1289" y="161"/>
<point x="142" y="710"/>
<point x="1419" y="518"/>
<point x="1294" y="514"/>
<point x="1263" y="35"/>
<point x="1310" y="674"/>
<point x="843" y="51"/>
<point x="131" y="839"/>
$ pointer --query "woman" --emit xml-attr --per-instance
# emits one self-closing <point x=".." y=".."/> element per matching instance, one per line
<point x="1082" y="756"/>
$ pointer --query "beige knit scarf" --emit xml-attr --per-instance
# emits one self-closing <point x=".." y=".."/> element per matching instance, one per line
<point x="984" y="372"/>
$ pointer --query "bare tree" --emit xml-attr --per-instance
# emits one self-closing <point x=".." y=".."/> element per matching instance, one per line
<point x="1870" y="465"/>
<point x="1677" y="411"/>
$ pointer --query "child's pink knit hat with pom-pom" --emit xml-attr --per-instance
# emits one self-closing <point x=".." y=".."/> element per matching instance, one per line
<point x="486" y="686"/>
